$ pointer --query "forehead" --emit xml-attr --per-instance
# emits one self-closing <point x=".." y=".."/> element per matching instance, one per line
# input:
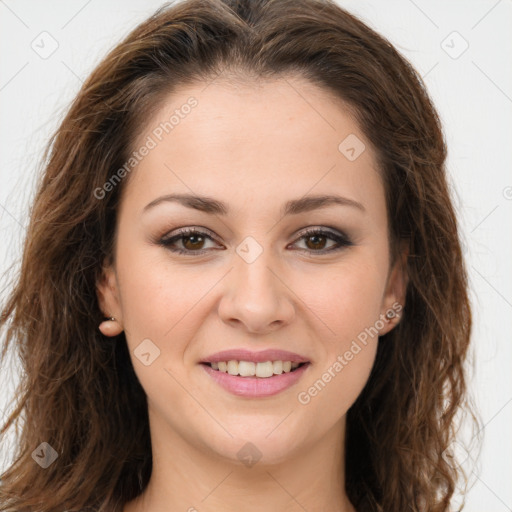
<point x="258" y="141"/>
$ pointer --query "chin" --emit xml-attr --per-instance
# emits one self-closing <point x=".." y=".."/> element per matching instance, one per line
<point x="256" y="446"/>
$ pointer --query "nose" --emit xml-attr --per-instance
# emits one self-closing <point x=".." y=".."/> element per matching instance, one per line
<point x="256" y="297"/>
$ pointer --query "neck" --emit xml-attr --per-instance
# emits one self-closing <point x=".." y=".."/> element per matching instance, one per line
<point x="191" y="478"/>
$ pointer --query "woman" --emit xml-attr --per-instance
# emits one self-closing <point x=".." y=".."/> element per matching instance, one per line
<point x="242" y="285"/>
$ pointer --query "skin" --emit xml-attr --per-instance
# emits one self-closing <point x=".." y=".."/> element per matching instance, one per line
<point x="254" y="147"/>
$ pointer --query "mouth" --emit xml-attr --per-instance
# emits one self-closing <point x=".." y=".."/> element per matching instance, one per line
<point x="250" y="380"/>
<point x="262" y="370"/>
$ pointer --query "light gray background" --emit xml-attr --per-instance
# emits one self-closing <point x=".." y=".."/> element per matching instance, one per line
<point x="472" y="90"/>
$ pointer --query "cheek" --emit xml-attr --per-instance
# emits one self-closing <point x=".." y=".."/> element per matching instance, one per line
<point x="159" y="303"/>
<point x="156" y="295"/>
<point x="346" y="299"/>
<point x="348" y="305"/>
<point x="332" y="389"/>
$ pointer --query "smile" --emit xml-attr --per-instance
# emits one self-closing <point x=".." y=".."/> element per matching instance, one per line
<point x="255" y="380"/>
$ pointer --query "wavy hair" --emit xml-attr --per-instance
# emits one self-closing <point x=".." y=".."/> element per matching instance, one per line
<point x="79" y="392"/>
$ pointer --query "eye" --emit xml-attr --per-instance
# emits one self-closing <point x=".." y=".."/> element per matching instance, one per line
<point x="193" y="240"/>
<point x="316" y="238"/>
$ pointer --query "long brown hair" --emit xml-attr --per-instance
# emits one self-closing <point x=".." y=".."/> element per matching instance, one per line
<point x="79" y="392"/>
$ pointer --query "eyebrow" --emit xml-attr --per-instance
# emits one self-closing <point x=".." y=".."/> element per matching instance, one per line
<point x="293" y="207"/>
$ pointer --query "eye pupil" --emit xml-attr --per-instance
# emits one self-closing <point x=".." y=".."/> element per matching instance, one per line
<point x="192" y="237"/>
<point x="315" y="244"/>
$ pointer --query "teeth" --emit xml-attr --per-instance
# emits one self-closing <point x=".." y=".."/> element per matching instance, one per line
<point x="233" y="367"/>
<point x="251" y="369"/>
<point x="265" y="369"/>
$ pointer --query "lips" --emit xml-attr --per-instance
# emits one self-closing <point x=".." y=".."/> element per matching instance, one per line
<point x="255" y="387"/>
<point x="288" y="368"/>
<point x="256" y="357"/>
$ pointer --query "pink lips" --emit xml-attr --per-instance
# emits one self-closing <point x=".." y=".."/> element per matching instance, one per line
<point x="255" y="387"/>
<point x="257" y="357"/>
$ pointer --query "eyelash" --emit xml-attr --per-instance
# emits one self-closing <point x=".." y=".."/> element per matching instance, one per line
<point x="342" y="241"/>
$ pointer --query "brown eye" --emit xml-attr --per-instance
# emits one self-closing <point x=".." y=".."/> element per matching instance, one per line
<point x="315" y="241"/>
<point x="191" y="240"/>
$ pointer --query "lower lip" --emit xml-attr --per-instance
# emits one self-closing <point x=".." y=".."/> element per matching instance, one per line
<point x="255" y="387"/>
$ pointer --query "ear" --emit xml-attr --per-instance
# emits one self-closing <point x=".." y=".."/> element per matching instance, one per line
<point x="393" y="300"/>
<point x="107" y="291"/>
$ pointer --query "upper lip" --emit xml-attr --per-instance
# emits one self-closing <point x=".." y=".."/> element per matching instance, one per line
<point x="240" y="354"/>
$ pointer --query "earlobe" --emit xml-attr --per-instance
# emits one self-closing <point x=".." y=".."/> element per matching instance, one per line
<point x="391" y="319"/>
<point x="108" y="301"/>
<point x="110" y="327"/>
<point x="396" y="288"/>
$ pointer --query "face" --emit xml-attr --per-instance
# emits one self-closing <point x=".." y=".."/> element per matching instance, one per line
<point x="268" y="266"/>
